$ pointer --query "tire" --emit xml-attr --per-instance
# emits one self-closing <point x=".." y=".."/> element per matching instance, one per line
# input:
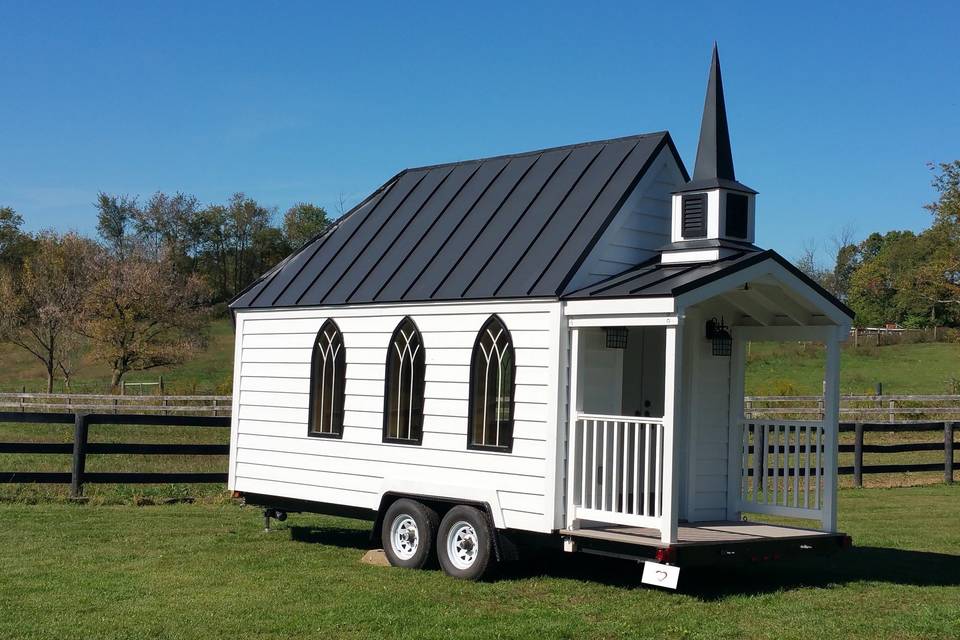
<point x="465" y="543"/>
<point x="408" y="534"/>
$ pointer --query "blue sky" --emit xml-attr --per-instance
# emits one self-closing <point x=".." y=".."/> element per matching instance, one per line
<point x="834" y="109"/>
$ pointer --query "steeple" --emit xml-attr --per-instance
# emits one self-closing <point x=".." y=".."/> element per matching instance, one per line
<point x="714" y="167"/>
<point x="714" y="157"/>
<point x="713" y="214"/>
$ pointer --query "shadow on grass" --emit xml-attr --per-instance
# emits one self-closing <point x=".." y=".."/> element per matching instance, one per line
<point x="860" y="564"/>
<point x="337" y="537"/>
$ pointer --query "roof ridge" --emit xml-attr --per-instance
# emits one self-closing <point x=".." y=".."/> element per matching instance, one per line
<point x="521" y="154"/>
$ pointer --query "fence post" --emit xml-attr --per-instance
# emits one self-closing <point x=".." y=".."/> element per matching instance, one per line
<point x="948" y="430"/>
<point x="892" y="411"/>
<point x="858" y="455"/>
<point x="79" y="454"/>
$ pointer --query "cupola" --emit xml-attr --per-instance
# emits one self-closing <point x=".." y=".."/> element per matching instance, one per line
<point x="713" y="214"/>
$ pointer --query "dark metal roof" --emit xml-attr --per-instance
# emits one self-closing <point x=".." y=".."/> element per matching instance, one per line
<point x="654" y="280"/>
<point x="503" y="227"/>
<point x="714" y="166"/>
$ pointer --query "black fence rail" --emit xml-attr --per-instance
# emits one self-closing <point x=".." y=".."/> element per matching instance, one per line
<point x="859" y="447"/>
<point x="81" y="447"/>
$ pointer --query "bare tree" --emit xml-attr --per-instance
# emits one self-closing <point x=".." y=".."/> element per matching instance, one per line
<point x="142" y="313"/>
<point x="40" y="301"/>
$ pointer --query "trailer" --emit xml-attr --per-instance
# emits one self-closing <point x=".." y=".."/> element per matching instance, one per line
<point x="545" y="346"/>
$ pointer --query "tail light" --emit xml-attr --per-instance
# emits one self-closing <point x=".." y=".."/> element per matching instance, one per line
<point x="666" y="555"/>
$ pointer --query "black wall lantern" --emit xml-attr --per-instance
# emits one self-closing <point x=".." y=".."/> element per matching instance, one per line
<point x="616" y="337"/>
<point x="719" y="334"/>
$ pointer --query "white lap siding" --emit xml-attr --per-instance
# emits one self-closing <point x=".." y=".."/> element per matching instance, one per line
<point x="271" y="453"/>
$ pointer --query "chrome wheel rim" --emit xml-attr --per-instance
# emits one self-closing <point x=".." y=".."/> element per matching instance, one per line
<point x="462" y="545"/>
<point x="404" y="536"/>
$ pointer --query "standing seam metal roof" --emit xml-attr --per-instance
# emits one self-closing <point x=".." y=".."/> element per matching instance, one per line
<point x="503" y="227"/>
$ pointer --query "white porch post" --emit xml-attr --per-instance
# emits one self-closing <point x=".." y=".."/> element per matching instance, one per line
<point x="575" y="405"/>
<point x="831" y="420"/>
<point x="673" y="377"/>
<point x="735" y="453"/>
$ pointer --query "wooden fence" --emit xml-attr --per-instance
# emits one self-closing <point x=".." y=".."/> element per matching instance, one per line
<point x="95" y="403"/>
<point x="80" y="448"/>
<point x="875" y="408"/>
<point x="859" y="447"/>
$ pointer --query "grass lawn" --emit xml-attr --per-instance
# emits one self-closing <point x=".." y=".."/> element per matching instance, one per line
<point x="797" y="369"/>
<point x="208" y="571"/>
<point x="209" y="372"/>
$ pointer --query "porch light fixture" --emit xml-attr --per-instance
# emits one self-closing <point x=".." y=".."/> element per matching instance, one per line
<point x="616" y="337"/>
<point x="719" y="334"/>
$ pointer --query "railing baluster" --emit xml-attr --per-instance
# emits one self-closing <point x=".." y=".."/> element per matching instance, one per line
<point x="647" y="466"/>
<point x="636" y="468"/>
<point x="776" y="463"/>
<point x="744" y="458"/>
<point x="816" y="469"/>
<point x="806" y="467"/>
<point x="625" y="469"/>
<point x="584" y="463"/>
<point x="796" y="465"/>
<point x="614" y="457"/>
<point x="597" y="466"/>
<point x="658" y="478"/>
<point x="757" y="457"/>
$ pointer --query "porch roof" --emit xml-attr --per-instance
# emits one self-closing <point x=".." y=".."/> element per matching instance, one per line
<point x="652" y="279"/>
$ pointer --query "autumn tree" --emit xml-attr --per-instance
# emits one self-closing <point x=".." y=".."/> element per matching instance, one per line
<point x="41" y="299"/>
<point x="141" y="313"/>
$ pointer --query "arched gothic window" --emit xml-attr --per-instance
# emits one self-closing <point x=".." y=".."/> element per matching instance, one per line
<point x="491" y="388"/>
<point x="403" y="390"/>
<point x="328" y="369"/>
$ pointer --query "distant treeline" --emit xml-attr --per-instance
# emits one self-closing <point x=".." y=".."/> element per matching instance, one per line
<point x="912" y="279"/>
<point x="141" y="294"/>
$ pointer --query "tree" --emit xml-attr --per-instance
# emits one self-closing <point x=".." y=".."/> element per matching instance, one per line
<point x="168" y="223"/>
<point x="41" y="300"/>
<point x="141" y="313"/>
<point x="14" y="243"/>
<point x="115" y="214"/>
<point x="302" y="222"/>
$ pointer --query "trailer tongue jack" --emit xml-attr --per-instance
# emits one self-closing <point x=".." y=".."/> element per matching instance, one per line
<point x="276" y="514"/>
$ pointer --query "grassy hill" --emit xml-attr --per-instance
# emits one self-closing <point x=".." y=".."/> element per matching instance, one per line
<point x="207" y="373"/>
<point x="773" y="369"/>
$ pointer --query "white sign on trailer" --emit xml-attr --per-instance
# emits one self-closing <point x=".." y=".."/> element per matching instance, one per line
<point x="660" y="575"/>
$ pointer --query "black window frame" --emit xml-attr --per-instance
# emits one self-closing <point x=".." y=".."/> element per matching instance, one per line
<point x="418" y="366"/>
<point x="338" y="381"/>
<point x="475" y="354"/>
<point x="701" y="230"/>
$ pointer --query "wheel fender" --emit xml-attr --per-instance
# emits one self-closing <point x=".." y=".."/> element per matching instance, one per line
<point x="454" y="494"/>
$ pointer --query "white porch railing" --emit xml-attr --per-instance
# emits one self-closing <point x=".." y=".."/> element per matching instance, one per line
<point x="782" y="468"/>
<point x="618" y="470"/>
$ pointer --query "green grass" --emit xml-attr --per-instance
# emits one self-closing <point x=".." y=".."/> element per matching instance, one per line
<point x="797" y="369"/>
<point x="208" y="571"/>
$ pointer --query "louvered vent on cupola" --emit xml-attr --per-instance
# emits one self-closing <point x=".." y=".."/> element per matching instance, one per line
<point x="694" y="219"/>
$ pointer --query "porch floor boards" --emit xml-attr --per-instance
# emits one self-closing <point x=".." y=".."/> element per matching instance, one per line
<point x="701" y="533"/>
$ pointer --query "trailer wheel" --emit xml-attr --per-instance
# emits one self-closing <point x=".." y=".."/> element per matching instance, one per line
<point x="465" y="543"/>
<point x="408" y="534"/>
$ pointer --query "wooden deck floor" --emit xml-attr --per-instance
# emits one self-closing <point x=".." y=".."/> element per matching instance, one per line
<point x="699" y="534"/>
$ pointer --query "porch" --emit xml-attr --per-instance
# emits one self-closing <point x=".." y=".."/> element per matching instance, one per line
<point x="658" y="449"/>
